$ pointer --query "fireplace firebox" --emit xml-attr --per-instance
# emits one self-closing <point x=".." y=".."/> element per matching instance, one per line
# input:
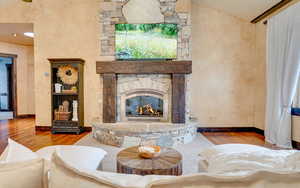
<point x="144" y="106"/>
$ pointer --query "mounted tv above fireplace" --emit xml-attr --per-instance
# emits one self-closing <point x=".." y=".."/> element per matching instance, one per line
<point x="146" y="41"/>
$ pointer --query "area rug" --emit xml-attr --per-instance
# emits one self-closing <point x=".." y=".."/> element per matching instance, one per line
<point x="189" y="153"/>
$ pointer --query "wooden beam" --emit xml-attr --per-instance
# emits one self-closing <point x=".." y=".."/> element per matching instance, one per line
<point x="271" y="11"/>
<point x="109" y="98"/>
<point x="178" y="98"/>
<point x="145" y="67"/>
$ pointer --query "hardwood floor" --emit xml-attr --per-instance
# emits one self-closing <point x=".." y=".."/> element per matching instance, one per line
<point x="23" y="131"/>
<point x="238" y="138"/>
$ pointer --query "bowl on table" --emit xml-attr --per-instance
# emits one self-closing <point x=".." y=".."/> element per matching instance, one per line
<point x="149" y="152"/>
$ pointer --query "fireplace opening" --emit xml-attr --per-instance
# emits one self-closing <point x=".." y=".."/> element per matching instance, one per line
<point x="144" y="106"/>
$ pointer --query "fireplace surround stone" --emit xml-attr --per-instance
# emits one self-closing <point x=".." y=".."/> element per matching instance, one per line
<point x="154" y="85"/>
<point x="128" y="134"/>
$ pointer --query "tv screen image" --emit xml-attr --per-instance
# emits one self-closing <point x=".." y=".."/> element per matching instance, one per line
<point x="146" y="41"/>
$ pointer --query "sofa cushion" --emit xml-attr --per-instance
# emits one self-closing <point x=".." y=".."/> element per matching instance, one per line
<point x="64" y="175"/>
<point x="210" y="152"/>
<point x="25" y="174"/>
<point x="74" y="154"/>
<point x="259" y="179"/>
<point x="238" y="158"/>
<point x="15" y="152"/>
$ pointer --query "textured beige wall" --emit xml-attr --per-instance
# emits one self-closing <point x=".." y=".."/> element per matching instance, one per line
<point x="25" y="88"/>
<point x="223" y="68"/>
<point x="16" y="11"/>
<point x="183" y="6"/>
<point x="66" y="29"/>
<point x="295" y="128"/>
<point x="260" y="75"/>
<point x="30" y="98"/>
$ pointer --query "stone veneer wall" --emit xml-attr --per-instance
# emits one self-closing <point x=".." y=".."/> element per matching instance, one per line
<point x="111" y="13"/>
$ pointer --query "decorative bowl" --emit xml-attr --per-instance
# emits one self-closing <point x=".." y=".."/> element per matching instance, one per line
<point x="149" y="152"/>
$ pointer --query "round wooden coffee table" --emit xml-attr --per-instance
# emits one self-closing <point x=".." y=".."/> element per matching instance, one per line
<point x="168" y="163"/>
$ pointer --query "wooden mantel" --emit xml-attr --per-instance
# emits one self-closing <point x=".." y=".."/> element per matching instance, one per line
<point x="110" y="69"/>
<point x="144" y="67"/>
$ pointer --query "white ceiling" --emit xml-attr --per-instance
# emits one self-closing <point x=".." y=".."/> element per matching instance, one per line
<point x="245" y="9"/>
<point x="7" y="31"/>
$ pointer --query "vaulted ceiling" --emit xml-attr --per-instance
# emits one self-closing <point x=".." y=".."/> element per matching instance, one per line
<point x="245" y="9"/>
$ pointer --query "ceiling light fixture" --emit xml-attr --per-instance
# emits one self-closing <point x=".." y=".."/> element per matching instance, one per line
<point x="29" y="34"/>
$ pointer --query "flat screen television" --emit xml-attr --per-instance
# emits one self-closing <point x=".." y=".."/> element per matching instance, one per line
<point x="146" y="41"/>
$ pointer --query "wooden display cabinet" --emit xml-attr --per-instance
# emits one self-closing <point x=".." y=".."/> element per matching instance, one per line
<point x="62" y="118"/>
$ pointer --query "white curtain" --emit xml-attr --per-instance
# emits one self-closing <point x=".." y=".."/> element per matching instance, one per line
<point x="296" y="101"/>
<point x="283" y="63"/>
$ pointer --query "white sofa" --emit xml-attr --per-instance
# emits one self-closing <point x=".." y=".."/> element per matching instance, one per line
<point x="31" y="173"/>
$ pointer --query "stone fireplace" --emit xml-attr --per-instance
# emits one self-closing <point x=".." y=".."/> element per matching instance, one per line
<point x="142" y="97"/>
<point x="164" y="81"/>
<point x="145" y="100"/>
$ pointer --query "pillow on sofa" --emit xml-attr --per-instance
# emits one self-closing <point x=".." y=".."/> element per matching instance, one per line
<point x="15" y="152"/>
<point x="229" y="149"/>
<point x="238" y="158"/>
<point x="26" y="174"/>
<point x="74" y="155"/>
<point x="64" y="175"/>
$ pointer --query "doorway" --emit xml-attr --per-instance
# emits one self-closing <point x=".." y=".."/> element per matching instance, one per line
<point x="7" y="87"/>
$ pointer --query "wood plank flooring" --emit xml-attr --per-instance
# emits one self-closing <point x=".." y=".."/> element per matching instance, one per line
<point x="238" y="138"/>
<point x="23" y="131"/>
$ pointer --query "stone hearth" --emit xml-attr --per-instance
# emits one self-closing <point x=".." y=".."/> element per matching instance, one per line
<point x="131" y="134"/>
